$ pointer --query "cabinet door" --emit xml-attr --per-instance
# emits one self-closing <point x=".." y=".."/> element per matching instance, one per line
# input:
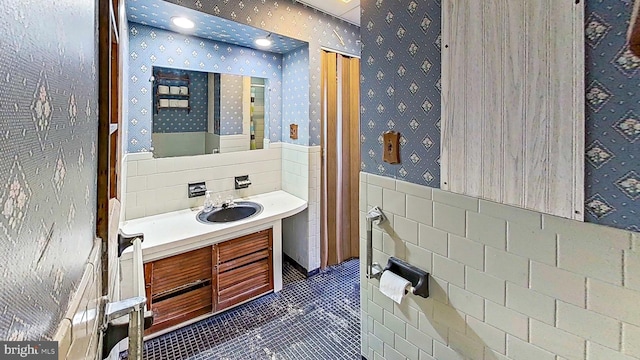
<point x="244" y="269"/>
<point x="245" y="245"/>
<point x="177" y="271"/>
<point x="180" y="287"/>
<point x="244" y="283"/>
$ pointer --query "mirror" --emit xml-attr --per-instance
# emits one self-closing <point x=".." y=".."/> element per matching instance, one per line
<point x="197" y="113"/>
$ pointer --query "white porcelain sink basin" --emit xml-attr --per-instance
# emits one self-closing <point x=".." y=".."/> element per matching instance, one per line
<point x="238" y="211"/>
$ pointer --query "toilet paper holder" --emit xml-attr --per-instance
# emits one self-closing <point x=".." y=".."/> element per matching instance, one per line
<point x="419" y="278"/>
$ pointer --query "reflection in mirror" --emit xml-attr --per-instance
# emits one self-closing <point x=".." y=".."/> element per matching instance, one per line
<point x="198" y="113"/>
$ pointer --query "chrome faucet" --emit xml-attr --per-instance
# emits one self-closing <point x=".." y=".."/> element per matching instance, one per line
<point x="228" y="203"/>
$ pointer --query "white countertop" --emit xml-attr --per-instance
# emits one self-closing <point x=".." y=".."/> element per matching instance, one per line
<point x="181" y="229"/>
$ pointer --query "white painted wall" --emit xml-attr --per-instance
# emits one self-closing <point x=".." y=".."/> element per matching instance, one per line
<point x="507" y="283"/>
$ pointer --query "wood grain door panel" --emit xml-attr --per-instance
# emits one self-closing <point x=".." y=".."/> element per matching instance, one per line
<point x="181" y="269"/>
<point x="233" y="249"/>
<point x="247" y="288"/>
<point x="513" y="103"/>
<point x="181" y="308"/>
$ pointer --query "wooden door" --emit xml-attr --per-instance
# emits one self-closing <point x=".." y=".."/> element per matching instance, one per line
<point x="341" y="157"/>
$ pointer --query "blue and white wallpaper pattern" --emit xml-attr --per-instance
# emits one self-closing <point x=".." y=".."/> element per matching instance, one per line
<point x="295" y="97"/>
<point x="295" y="20"/>
<point x="400" y="90"/>
<point x="192" y="119"/>
<point x="149" y="47"/>
<point x="48" y="144"/>
<point x="612" y="117"/>
<point x="230" y="104"/>
<point x="158" y="13"/>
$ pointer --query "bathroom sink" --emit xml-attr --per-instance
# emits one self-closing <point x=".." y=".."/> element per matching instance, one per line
<point x="238" y="211"/>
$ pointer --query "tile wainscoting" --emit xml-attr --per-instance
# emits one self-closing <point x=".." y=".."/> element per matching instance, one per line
<point x="156" y="186"/>
<point x="506" y="283"/>
<point x="301" y="177"/>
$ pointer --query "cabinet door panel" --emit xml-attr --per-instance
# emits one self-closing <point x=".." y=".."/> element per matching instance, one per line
<point x="181" y="308"/>
<point x="175" y="271"/>
<point x="243" y="246"/>
<point x="237" y="275"/>
<point x="244" y="283"/>
<point x="229" y="265"/>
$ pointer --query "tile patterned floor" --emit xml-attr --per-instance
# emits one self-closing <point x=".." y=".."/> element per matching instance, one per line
<point x="315" y="318"/>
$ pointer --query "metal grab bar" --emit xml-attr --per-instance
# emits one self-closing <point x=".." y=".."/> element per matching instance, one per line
<point x="115" y="322"/>
<point x="126" y="318"/>
<point x="374" y="270"/>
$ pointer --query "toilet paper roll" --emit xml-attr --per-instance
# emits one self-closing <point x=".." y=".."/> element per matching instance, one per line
<point x="163" y="89"/>
<point x="393" y="286"/>
<point x="174" y="90"/>
<point x="164" y="102"/>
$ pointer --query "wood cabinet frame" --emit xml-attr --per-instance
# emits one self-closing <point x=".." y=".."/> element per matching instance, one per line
<point x="189" y="285"/>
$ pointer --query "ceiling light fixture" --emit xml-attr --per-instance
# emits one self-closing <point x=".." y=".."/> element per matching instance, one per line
<point x="346" y="1"/>
<point x="264" y="41"/>
<point x="182" y="22"/>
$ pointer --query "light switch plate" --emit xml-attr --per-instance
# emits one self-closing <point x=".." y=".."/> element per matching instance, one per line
<point x="391" y="144"/>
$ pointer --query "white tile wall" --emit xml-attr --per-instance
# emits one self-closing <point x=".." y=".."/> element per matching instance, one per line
<point x="155" y="186"/>
<point x="506" y="283"/>
<point x="301" y="177"/>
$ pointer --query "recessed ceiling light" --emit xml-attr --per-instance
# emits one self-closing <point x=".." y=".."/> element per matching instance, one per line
<point x="182" y="22"/>
<point x="265" y="41"/>
<point x="346" y="1"/>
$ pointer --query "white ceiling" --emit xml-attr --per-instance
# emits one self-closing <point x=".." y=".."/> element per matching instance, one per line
<point x="349" y="12"/>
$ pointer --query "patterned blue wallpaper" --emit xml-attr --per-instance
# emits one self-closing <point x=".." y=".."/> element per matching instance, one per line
<point x="295" y="97"/>
<point x="400" y="88"/>
<point x="613" y="127"/>
<point x="158" y="13"/>
<point x="172" y="120"/>
<point x="230" y="104"/>
<point x="294" y="20"/>
<point x="149" y="47"/>
<point x="48" y="135"/>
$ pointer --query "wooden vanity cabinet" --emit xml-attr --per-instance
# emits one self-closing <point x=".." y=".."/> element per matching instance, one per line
<point x="208" y="280"/>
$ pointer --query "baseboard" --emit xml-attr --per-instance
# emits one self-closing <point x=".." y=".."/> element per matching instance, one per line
<point x="299" y="267"/>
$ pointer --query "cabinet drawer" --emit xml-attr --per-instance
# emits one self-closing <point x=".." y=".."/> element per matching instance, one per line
<point x="180" y="308"/>
<point x="243" y="246"/>
<point x="177" y="271"/>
